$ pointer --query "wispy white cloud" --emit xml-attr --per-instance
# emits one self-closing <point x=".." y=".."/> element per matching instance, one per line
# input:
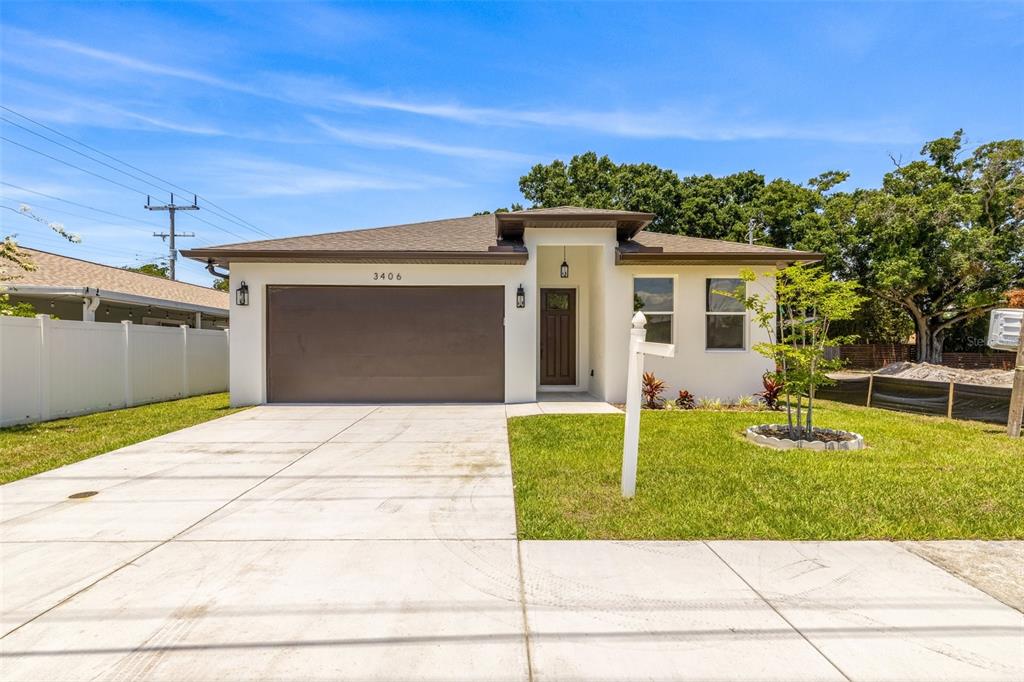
<point x="665" y="122"/>
<point x="383" y="140"/>
<point x="662" y="123"/>
<point x="140" y="65"/>
<point x="52" y="106"/>
<point x="251" y="177"/>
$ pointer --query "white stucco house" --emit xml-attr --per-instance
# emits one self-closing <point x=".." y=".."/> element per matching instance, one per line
<point x="487" y="308"/>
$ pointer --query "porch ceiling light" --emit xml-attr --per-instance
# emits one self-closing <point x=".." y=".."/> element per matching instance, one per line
<point x="520" y="297"/>
<point x="242" y="294"/>
<point x="564" y="271"/>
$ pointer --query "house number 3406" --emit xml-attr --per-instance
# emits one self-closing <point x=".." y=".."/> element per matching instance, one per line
<point x="387" y="275"/>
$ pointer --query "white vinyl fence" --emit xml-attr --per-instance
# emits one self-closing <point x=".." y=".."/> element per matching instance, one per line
<point x="60" y="368"/>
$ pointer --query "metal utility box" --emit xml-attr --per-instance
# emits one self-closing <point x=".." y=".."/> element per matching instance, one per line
<point x="1004" y="328"/>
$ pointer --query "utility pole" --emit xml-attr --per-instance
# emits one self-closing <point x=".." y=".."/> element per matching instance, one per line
<point x="1017" y="392"/>
<point x="171" y="208"/>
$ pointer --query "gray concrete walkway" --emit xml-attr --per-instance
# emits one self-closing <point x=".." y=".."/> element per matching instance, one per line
<point x="342" y="542"/>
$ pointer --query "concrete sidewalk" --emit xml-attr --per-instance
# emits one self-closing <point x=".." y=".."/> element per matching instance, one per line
<point x="346" y="542"/>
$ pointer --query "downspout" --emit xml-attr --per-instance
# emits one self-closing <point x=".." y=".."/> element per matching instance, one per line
<point x="89" y="306"/>
<point x="212" y="269"/>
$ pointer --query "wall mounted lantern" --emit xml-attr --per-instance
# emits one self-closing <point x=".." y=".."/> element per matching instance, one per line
<point x="564" y="272"/>
<point x="520" y="297"/>
<point x="242" y="294"/>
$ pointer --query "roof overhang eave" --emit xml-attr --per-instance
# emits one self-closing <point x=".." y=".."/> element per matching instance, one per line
<point x="55" y="291"/>
<point x="627" y="223"/>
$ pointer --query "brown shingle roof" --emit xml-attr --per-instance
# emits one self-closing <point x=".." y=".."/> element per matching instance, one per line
<point x="61" y="271"/>
<point x="670" y="249"/>
<point x="472" y="239"/>
<point x="474" y="233"/>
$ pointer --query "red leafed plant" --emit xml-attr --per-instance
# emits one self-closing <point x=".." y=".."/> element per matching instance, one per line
<point x="652" y="389"/>
<point x="772" y="389"/>
<point x="685" y="400"/>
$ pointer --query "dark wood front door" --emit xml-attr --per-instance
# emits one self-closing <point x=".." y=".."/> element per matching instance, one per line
<point x="558" y="337"/>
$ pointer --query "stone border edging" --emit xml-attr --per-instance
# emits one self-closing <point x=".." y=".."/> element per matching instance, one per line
<point x="786" y="444"/>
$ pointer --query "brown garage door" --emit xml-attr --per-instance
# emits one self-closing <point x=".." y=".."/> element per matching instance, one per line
<point x="385" y="344"/>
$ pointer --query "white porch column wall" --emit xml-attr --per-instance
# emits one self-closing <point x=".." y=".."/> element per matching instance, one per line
<point x="597" y="334"/>
<point x="248" y="323"/>
<point x="549" y="263"/>
<point x="545" y="247"/>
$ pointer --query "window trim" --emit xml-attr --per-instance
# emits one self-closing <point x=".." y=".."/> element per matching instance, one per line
<point x="745" y="314"/>
<point x="670" y="313"/>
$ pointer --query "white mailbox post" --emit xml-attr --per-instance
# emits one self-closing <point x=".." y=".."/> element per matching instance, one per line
<point x="638" y="347"/>
<point x="1004" y="333"/>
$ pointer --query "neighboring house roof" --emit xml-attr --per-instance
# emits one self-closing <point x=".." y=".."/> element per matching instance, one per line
<point x="60" y="274"/>
<point x="490" y="238"/>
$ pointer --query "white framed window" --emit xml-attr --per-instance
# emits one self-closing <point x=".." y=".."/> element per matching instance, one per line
<point x="655" y="297"/>
<point x="725" y="318"/>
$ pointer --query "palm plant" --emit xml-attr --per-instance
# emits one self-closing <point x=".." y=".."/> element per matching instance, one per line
<point x="652" y="389"/>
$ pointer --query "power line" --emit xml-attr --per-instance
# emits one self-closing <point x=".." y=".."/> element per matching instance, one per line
<point x="236" y="219"/>
<point x="203" y="220"/>
<point x="134" y="222"/>
<point x="103" y="177"/>
<point x="48" y="235"/>
<point x="115" y="168"/>
<point x="75" y="203"/>
<point x="91" y="219"/>
<point x="82" y="154"/>
<point x="68" y="163"/>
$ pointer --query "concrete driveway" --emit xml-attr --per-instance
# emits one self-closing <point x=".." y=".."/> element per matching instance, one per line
<point x="344" y="542"/>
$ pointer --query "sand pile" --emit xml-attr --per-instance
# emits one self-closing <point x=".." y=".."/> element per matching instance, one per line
<point x="929" y="372"/>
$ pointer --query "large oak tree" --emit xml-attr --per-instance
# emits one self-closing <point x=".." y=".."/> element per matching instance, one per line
<point x="943" y="238"/>
<point x="781" y="213"/>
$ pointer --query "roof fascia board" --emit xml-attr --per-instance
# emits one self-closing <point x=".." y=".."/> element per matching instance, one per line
<point x="224" y="258"/>
<point x="713" y="258"/>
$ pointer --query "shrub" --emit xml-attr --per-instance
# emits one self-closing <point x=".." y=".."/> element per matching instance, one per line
<point x="745" y="402"/>
<point x="772" y="389"/>
<point x="709" y="404"/>
<point x="685" y="400"/>
<point x="653" y="387"/>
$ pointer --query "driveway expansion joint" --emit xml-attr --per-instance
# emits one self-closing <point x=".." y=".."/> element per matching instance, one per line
<point x="770" y="605"/>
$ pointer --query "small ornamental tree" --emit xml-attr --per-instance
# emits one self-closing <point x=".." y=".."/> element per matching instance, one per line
<point x="797" y="319"/>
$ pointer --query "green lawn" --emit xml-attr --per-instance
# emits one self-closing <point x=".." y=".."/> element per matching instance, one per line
<point x="30" y="449"/>
<point x="921" y="477"/>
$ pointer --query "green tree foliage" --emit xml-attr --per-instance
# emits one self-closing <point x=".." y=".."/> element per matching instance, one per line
<point x="514" y="206"/>
<point x="21" y="309"/>
<point x="598" y="182"/>
<point x="151" y="269"/>
<point x="780" y="213"/>
<point x="877" y="321"/>
<point x="943" y="238"/>
<point x="220" y="284"/>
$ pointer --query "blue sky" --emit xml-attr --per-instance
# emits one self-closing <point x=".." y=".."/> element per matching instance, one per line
<point x="303" y="118"/>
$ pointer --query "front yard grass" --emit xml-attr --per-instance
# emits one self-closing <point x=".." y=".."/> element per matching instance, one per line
<point x="920" y="478"/>
<point x="33" y="448"/>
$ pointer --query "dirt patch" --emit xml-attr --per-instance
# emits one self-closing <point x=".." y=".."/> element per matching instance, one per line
<point x="993" y="567"/>
<point x="928" y="372"/>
